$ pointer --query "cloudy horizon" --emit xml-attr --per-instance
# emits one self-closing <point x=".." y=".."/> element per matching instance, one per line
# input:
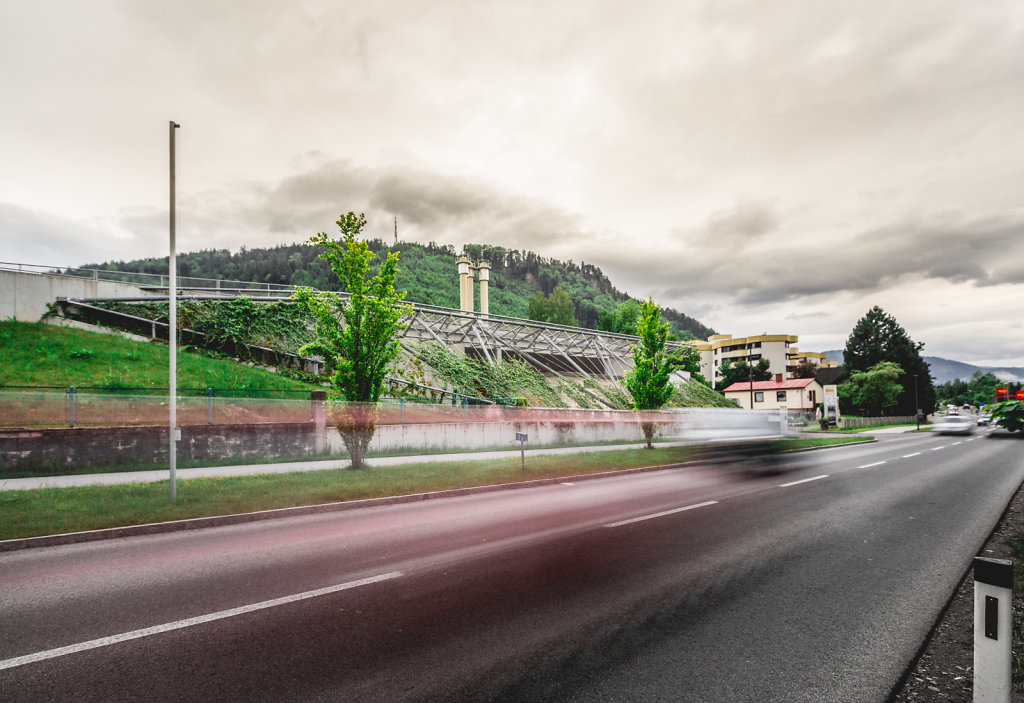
<point x="763" y="168"/>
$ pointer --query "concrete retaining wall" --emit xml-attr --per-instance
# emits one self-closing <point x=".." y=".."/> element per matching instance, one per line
<point x="95" y="446"/>
<point x="25" y="295"/>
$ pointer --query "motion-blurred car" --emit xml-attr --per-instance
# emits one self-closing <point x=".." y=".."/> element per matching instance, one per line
<point x="984" y="419"/>
<point x="953" y="424"/>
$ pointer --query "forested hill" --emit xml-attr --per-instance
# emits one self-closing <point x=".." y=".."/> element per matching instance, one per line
<point x="428" y="274"/>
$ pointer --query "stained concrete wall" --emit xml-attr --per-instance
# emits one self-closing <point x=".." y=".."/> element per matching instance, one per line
<point x="25" y="295"/>
<point x="95" y="446"/>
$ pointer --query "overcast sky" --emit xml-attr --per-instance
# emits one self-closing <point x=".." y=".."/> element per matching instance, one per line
<point x="762" y="166"/>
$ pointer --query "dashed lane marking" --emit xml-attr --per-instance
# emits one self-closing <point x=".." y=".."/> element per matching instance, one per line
<point x="935" y="449"/>
<point x="868" y="466"/>
<point x="794" y="483"/>
<point x="907" y="456"/>
<point x="189" y="622"/>
<point x="661" y="514"/>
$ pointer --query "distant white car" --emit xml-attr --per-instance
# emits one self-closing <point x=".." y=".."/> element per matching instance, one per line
<point x="984" y="419"/>
<point x="953" y="424"/>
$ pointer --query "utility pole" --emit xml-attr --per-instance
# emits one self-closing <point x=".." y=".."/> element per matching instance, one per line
<point x="396" y="230"/>
<point x="172" y="328"/>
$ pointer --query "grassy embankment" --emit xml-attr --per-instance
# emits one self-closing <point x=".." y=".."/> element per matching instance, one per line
<point x="58" y="510"/>
<point x="36" y="354"/>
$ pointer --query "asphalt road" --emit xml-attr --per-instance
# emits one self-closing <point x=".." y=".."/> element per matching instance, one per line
<point x="698" y="584"/>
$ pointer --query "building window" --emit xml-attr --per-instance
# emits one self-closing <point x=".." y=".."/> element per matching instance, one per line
<point x="758" y="396"/>
<point x="780" y="395"/>
<point x="757" y="345"/>
<point x="813" y="397"/>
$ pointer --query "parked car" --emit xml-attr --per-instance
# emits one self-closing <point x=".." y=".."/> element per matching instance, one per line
<point x="953" y="424"/>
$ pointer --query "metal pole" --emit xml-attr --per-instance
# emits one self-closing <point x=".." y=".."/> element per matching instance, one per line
<point x="172" y="328"/>
<point x="917" y="409"/>
<point x="750" y="379"/>
<point x="71" y="406"/>
<point x="209" y="406"/>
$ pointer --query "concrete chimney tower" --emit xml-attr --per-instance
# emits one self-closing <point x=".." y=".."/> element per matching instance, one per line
<point x="465" y="285"/>
<point x="484" y="267"/>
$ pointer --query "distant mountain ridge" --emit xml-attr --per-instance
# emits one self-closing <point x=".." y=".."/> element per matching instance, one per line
<point x="427" y="273"/>
<point x="946" y="370"/>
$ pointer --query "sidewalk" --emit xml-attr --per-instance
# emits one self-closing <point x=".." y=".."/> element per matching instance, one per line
<point x="122" y="477"/>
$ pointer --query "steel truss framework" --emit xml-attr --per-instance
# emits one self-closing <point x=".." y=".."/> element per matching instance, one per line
<point x="555" y="349"/>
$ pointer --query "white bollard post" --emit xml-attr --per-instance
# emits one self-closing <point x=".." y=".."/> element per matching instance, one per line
<point x="993" y="629"/>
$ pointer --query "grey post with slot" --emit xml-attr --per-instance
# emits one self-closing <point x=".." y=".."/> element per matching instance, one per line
<point x="993" y="622"/>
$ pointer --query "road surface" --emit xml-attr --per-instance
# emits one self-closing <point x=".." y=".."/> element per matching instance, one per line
<point x="695" y="584"/>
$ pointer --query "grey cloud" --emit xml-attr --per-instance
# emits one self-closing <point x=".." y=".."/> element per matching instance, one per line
<point x="429" y="206"/>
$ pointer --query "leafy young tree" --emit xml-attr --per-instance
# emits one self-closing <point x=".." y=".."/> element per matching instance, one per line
<point x="875" y="390"/>
<point x="878" y="337"/>
<point x="650" y="380"/>
<point x="1009" y="415"/>
<point x="357" y="335"/>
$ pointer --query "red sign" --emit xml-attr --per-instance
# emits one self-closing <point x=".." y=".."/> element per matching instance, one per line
<point x="1002" y="393"/>
<point x="1020" y="395"/>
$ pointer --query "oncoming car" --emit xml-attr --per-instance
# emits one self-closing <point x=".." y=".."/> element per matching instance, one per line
<point x="953" y="424"/>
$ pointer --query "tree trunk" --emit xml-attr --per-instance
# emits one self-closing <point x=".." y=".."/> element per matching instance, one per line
<point x="649" y="429"/>
<point x="357" y="429"/>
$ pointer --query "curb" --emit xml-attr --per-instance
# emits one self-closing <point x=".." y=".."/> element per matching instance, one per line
<point x="199" y="523"/>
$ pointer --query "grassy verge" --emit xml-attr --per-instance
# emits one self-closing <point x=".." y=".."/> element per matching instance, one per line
<point x="807" y="442"/>
<point x="58" y="510"/>
<point x="36" y="354"/>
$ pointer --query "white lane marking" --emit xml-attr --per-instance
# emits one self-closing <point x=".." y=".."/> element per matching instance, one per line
<point x="935" y="449"/>
<point x="662" y="513"/>
<point x="956" y="443"/>
<point x="565" y="483"/>
<point x="794" y="483"/>
<point x="907" y="456"/>
<point x="188" y="622"/>
<point x="868" y="466"/>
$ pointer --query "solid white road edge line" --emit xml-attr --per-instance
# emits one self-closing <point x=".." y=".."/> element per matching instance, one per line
<point x="794" y="483"/>
<point x="868" y="466"/>
<point x="662" y="513"/>
<point x="907" y="456"/>
<point x="189" y="622"/>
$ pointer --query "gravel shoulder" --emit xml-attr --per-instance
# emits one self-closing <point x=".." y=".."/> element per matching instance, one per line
<point x="944" y="670"/>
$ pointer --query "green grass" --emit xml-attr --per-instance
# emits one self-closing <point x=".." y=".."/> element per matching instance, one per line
<point x="806" y="443"/>
<point x="36" y="354"/>
<point x="59" y="510"/>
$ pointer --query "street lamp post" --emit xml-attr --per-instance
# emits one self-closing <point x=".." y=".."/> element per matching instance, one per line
<point x="917" y="410"/>
<point x="750" y="377"/>
<point x="172" y="325"/>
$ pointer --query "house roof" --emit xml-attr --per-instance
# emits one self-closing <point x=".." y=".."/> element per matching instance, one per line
<point x="771" y="385"/>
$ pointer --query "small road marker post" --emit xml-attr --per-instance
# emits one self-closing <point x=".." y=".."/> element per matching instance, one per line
<point x="521" y="437"/>
<point x="993" y="629"/>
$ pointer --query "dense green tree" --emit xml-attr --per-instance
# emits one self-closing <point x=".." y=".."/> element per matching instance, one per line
<point x="556" y="308"/>
<point x="622" y="319"/>
<point x="733" y="370"/>
<point x="357" y="335"/>
<point x="979" y="390"/>
<point x="878" y="337"/>
<point x="876" y="391"/>
<point x="805" y="369"/>
<point x="649" y="382"/>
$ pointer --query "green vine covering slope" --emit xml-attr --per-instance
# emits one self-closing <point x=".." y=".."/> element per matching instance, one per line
<point x="285" y="327"/>
<point x="508" y="380"/>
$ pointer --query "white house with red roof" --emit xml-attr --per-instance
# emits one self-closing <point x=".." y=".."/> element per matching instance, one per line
<point x="797" y="395"/>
